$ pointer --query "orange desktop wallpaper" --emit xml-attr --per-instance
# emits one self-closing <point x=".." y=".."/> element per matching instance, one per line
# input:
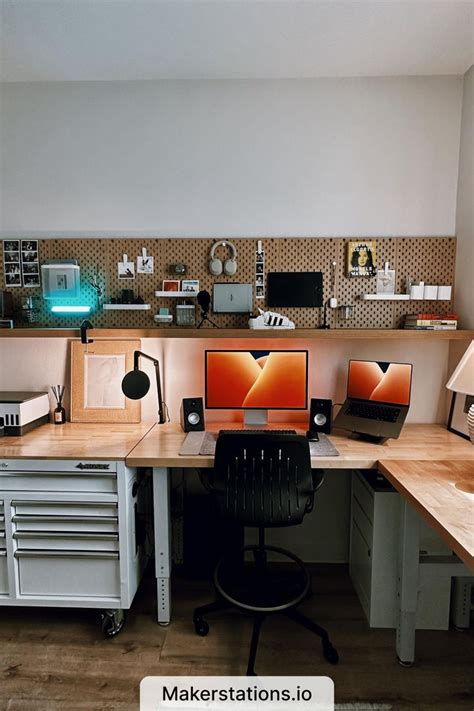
<point x="260" y="380"/>
<point x="382" y="382"/>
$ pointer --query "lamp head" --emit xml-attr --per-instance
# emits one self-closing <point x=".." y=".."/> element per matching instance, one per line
<point x="135" y="384"/>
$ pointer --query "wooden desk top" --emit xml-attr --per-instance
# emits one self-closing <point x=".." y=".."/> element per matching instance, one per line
<point x="443" y="493"/>
<point x="75" y="441"/>
<point x="160" y="447"/>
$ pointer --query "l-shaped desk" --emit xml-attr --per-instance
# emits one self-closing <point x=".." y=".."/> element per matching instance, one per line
<point x="431" y="468"/>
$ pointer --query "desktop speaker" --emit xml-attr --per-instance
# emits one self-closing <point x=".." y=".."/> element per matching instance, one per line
<point x="320" y="415"/>
<point x="192" y="414"/>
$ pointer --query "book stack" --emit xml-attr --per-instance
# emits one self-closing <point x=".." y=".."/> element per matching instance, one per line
<point x="431" y="322"/>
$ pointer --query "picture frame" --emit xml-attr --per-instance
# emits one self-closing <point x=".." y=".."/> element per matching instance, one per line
<point x="190" y="286"/>
<point x="457" y="419"/>
<point x="126" y="270"/>
<point x="97" y="370"/>
<point x="171" y="285"/>
<point x="361" y="258"/>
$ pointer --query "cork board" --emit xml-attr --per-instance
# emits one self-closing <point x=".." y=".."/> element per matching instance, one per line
<point x="431" y="259"/>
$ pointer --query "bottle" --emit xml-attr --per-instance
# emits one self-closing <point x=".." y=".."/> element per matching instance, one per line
<point x="59" y="415"/>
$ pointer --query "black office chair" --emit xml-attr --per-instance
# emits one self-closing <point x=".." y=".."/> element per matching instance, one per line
<point x="265" y="481"/>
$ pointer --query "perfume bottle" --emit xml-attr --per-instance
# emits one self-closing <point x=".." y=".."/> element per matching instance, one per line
<point x="59" y="413"/>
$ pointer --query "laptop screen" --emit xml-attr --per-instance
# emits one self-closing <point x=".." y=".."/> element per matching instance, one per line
<point x="380" y="381"/>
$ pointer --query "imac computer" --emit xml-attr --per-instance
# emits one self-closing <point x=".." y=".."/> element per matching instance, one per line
<point x="256" y="381"/>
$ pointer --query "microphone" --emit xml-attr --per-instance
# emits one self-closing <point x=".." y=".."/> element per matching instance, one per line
<point x="204" y="300"/>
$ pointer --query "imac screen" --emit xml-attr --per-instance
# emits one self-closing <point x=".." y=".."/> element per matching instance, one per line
<point x="266" y="380"/>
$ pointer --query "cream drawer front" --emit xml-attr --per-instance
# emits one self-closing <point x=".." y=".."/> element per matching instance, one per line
<point x="75" y="524"/>
<point x="3" y="543"/>
<point x="365" y="498"/>
<point x="72" y="573"/>
<point x="3" y="574"/>
<point x="31" y="540"/>
<point x="65" y="508"/>
<point x="364" y="524"/>
<point x="2" y="528"/>
<point x="104" y="483"/>
<point x="361" y="561"/>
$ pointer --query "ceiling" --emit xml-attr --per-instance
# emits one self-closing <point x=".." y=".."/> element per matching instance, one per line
<point x="73" y="40"/>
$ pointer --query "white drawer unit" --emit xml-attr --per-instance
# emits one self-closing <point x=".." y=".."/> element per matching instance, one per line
<point x="3" y="554"/>
<point x="68" y="535"/>
<point x="373" y="559"/>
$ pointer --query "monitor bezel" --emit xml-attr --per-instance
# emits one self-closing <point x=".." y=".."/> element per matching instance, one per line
<point x="249" y="350"/>
<point x="380" y="402"/>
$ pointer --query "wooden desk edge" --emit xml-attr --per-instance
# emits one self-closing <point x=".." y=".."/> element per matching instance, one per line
<point x="465" y="555"/>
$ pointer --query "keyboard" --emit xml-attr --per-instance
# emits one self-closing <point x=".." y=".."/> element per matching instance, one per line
<point x="258" y="432"/>
<point x="373" y="412"/>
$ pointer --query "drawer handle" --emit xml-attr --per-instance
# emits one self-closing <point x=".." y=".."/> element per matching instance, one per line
<point x="65" y="554"/>
<point x="39" y="518"/>
<point x="53" y="535"/>
<point x="24" y="502"/>
<point x="83" y="466"/>
<point x="73" y="474"/>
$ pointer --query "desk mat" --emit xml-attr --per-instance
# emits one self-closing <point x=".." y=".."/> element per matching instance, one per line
<point x="204" y="444"/>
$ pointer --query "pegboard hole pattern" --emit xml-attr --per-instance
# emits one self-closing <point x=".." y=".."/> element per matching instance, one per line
<point x="430" y="259"/>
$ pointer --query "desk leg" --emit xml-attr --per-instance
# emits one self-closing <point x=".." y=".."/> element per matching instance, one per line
<point x="408" y="564"/>
<point x="161" y="517"/>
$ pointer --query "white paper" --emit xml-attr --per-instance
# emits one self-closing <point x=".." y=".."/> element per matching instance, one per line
<point x="103" y="376"/>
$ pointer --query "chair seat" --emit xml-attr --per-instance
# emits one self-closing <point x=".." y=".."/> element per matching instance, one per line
<point x="262" y="588"/>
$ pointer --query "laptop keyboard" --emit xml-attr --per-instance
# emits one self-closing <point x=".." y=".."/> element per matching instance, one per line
<point x="258" y="432"/>
<point x="373" y="412"/>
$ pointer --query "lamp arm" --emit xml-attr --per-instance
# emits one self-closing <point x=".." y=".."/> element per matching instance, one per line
<point x="136" y="358"/>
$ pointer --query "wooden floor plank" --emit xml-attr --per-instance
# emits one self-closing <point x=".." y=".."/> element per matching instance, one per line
<point x="51" y="660"/>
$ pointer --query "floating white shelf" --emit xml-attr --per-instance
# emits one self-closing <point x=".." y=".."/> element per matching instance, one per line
<point x="176" y="294"/>
<point x="126" y="307"/>
<point x="385" y="297"/>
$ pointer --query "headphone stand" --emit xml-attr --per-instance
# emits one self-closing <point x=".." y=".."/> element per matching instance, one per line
<point x="205" y="319"/>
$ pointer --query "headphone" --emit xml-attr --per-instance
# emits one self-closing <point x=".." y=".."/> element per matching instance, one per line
<point x="216" y="266"/>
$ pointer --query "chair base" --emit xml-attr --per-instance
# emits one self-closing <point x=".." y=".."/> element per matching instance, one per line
<point x="201" y="627"/>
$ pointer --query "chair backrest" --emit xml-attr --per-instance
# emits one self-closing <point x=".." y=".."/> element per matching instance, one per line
<point x="263" y="479"/>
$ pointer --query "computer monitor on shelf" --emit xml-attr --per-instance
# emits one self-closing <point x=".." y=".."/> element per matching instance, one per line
<point x="256" y="381"/>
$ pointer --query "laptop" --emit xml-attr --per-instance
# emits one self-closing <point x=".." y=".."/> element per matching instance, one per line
<point x="378" y="398"/>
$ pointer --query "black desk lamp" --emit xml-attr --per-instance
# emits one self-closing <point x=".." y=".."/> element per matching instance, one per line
<point x="136" y="383"/>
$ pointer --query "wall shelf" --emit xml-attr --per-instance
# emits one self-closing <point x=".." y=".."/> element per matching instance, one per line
<point x="332" y="334"/>
<point x="176" y="294"/>
<point x="385" y="297"/>
<point x="126" y="307"/>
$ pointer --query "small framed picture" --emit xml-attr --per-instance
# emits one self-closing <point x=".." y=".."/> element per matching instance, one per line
<point x="11" y="245"/>
<point x="171" y="285"/>
<point x="191" y="286"/>
<point x="13" y="279"/>
<point x="31" y="268"/>
<point x="11" y="257"/>
<point x="126" y="270"/>
<point x="259" y="279"/>
<point x="457" y="420"/>
<point x="145" y="265"/>
<point x="259" y="268"/>
<point x="361" y="258"/>
<point x="29" y="245"/>
<point x="31" y="280"/>
<point x="29" y="257"/>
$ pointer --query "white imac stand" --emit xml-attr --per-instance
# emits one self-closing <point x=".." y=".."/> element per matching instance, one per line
<point x="255" y="418"/>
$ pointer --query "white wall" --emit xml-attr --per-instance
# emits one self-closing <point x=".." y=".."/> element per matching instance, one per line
<point x="369" y="157"/>
<point x="464" y="293"/>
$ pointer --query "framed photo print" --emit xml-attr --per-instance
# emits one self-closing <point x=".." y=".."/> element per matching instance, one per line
<point x="457" y="420"/>
<point x="12" y="262"/>
<point x="96" y="376"/>
<point x="361" y="258"/>
<point x="191" y="286"/>
<point x="171" y="285"/>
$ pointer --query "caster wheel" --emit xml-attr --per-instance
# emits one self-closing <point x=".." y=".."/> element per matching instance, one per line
<point x="330" y="654"/>
<point x="112" y="622"/>
<point x="201" y="626"/>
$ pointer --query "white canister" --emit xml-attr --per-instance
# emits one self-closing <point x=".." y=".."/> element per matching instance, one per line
<point x="430" y="292"/>
<point x="417" y="291"/>
<point x="444" y="293"/>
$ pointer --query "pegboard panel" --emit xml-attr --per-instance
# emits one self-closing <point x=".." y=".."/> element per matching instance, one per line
<point x="429" y="259"/>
